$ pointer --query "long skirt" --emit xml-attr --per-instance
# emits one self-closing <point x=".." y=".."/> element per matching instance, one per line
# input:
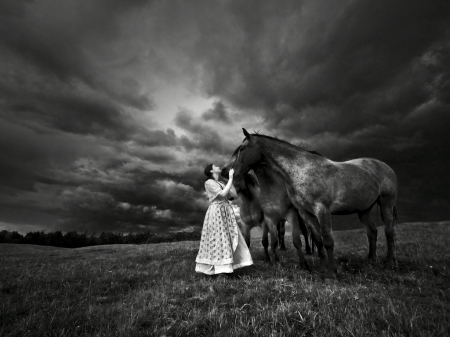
<point x="222" y="245"/>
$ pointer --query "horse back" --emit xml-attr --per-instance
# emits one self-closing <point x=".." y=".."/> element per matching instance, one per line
<point x="356" y="184"/>
<point x="370" y="172"/>
<point x="376" y="169"/>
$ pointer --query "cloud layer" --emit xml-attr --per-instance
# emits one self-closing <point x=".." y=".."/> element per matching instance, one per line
<point x="83" y="141"/>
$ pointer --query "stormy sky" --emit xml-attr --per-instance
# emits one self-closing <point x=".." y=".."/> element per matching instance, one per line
<point x="110" y="109"/>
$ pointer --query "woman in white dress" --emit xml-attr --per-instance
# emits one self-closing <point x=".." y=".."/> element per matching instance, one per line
<point x="222" y="245"/>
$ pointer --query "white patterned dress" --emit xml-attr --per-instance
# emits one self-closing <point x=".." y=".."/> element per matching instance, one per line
<point x="222" y="246"/>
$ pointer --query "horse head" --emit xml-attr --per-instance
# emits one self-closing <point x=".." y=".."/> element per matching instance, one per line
<point x="238" y="184"/>
<point x="241" y="161"/>
<point x="248" y="154"/>
<point x="227" y="166"/>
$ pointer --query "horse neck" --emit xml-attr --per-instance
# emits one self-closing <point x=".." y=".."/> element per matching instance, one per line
<point x="268" y="178"/>
<point x="280" y="158"/>
<point x="251" y="193"/>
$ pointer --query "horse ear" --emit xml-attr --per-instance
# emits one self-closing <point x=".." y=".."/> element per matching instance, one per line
<point x="247" y="135"/>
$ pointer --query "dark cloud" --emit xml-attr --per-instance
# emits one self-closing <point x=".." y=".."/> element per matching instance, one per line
<point x="351" y="79"/>
<point x="202" y="136"/>
<point x="157" y="138"/>
<point x="84" y="145"/>
<point x="335" y="68"/>
<point x="329" y="63"/>
<point x="51" y="71"/>
<point x="147" y="200"/>
<point x="219" y="113"/>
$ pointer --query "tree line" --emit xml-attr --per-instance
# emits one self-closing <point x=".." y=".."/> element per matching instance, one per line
<point x="75" y="240"/>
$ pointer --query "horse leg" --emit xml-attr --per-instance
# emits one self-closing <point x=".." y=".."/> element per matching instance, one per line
<point x="281" y="232"/>
<point x="323" y="215"/>
<point x="387" y="216"/>
<point x="292" y="218"/>
<point x="371" y="231"/>
<point x="265" y="241"/>
<point x="313" y="244"/>
<point x="304" y="230"/>
<point x="310" y="223"/>
<point x="272" y="226"/>
<point x="246" y="233"/>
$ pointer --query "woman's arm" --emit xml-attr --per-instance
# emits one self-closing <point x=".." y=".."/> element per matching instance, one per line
<point x="227" y="188"/>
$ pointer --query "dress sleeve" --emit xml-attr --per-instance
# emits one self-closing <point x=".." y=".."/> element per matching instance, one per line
<point x="212" y="189"/>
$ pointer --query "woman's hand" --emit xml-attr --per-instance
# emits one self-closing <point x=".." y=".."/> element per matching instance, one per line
<point x="229" y="184"/>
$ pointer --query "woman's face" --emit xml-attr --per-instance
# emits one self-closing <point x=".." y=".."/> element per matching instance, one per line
<point x="216" y="169"/>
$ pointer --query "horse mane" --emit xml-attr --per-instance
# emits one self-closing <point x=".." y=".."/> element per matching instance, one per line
<point x="236" y="151"/>
<point x="298" y="146"/>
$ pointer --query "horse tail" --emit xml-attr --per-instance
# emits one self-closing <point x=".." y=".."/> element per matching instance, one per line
<point x="394" y="213"/>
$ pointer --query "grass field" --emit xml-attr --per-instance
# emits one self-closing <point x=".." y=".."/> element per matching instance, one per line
<point x="152" y="290"/>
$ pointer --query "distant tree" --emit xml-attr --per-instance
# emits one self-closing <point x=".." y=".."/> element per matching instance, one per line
<point x="111" y="238"/>
<point x="14" y="237"/>
<point x="93" y="240"/>
<point x="72" y="240"/>
<point x="82" y="239"/>
<point x="11" y="237"/>
<point x="36" y="238"/>
<point x="141" y="238"/>
<point x="55" y="239"/>
<point x="3" y="235"/>
<point x="129" y="239"/>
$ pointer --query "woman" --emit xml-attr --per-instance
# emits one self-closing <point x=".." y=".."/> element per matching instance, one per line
<point x="222" y="246"/>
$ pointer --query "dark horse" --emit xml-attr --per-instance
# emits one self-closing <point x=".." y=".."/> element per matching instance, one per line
<point x="252" y="214"/>
<point x="272" y="204"/>
<point x="319" y="187"/>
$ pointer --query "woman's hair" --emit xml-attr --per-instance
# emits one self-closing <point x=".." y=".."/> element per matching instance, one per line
<point x="208" y="173"/>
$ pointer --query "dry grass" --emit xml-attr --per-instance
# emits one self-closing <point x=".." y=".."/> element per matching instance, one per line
<point x="152" y="290"/>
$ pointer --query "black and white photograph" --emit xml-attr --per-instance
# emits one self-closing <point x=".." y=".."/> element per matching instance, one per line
<point x="224" y="168"/>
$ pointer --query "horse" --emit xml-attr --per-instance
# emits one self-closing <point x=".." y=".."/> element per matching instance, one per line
<point x="269" y="203"/>
<point x="252" y="215"/>
<point x="250" y="210"/>
<point x="319" y="187"/>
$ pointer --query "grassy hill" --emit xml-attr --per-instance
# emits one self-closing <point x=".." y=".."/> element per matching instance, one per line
<point x="152" y="290"/>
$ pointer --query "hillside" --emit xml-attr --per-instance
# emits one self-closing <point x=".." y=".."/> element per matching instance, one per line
<point x="152" y="290"/>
